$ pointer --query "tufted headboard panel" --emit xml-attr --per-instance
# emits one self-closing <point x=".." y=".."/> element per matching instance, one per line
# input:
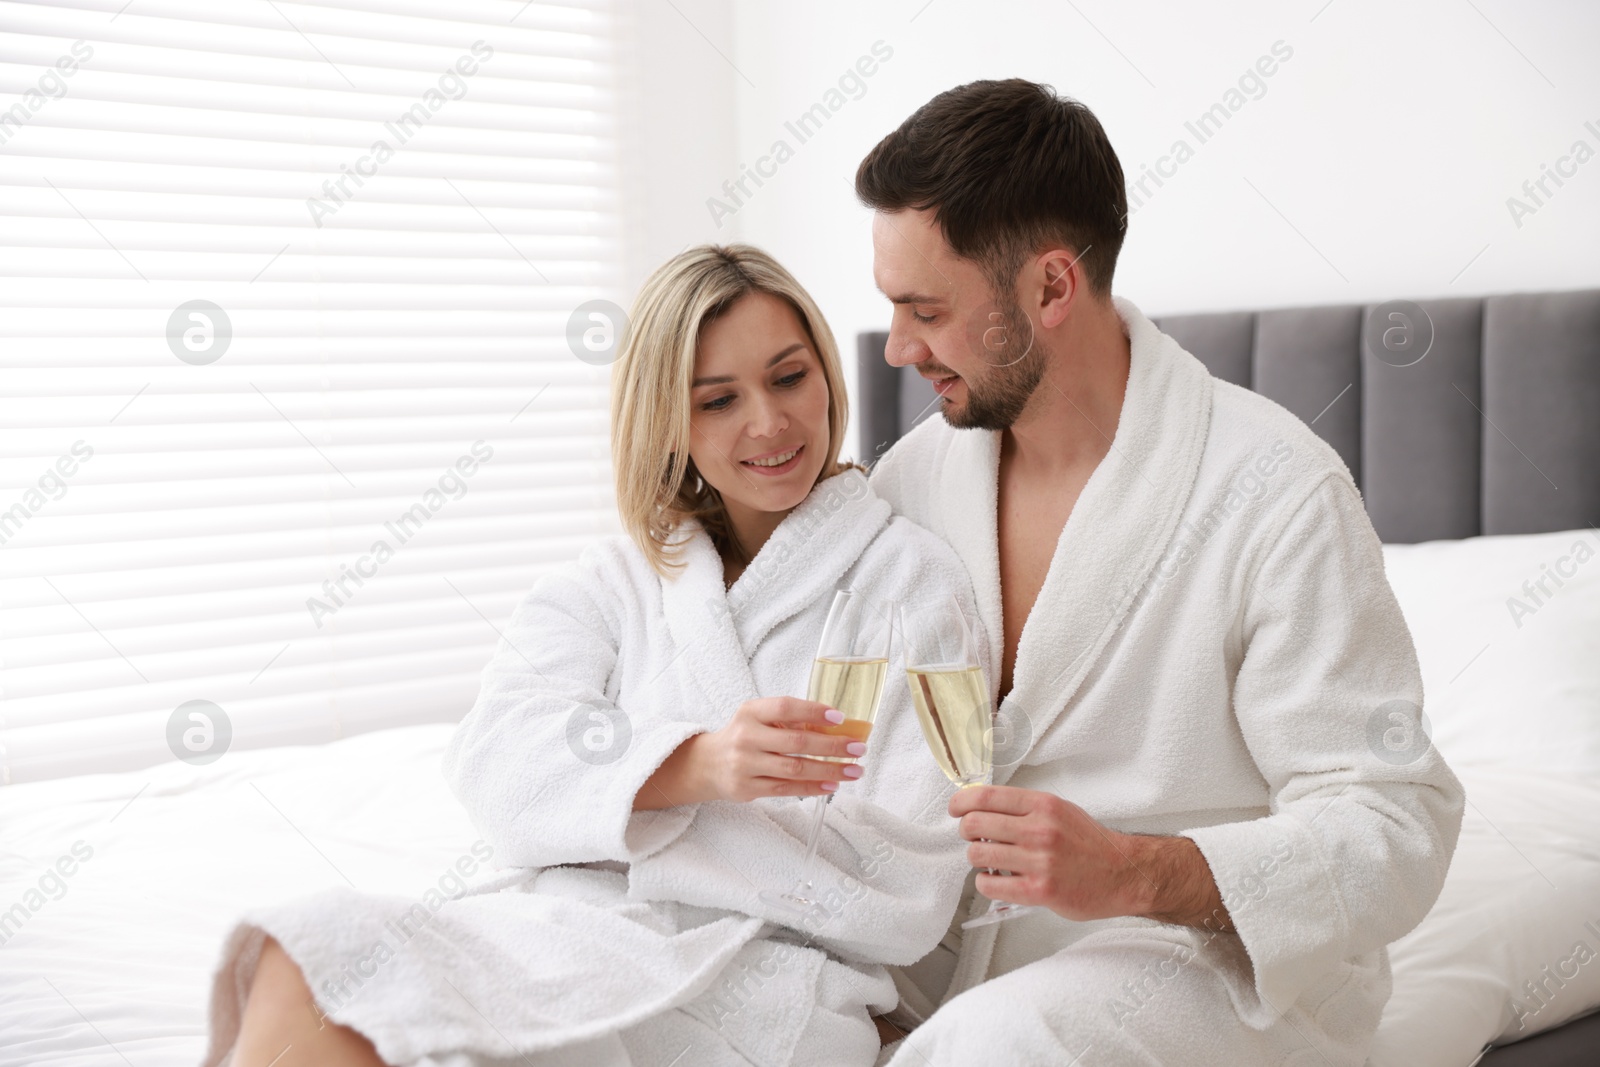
<point x="1471" y="416"/>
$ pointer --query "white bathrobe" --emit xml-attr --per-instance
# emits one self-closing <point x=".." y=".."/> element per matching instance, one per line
<point x="657" y="950"/>
<point x="1215" y="654"/>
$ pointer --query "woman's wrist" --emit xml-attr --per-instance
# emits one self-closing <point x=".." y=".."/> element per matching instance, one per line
<point x="691" y="784"/>
<point x="679" y="780"/>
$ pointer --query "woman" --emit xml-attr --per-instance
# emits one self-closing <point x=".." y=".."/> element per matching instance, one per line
<point x="622" y="756"/>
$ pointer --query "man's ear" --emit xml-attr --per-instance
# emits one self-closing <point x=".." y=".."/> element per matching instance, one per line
<point x="1058" y="279"/>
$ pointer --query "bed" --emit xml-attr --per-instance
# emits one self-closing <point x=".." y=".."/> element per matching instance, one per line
<point x="114" y="966"/>
<point x="116" y="889"/>
<point x="1472" y="426"/>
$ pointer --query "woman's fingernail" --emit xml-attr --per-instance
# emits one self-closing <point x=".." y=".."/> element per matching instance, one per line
<point x="834" y="715"/>
<point x="853" y="771"/>
<point x="828" y="787"/>
<point x="856" y="748"/>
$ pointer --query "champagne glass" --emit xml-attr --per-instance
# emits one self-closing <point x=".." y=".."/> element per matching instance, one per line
<point x="951" y="696"/>
<point x="848" y="674"/>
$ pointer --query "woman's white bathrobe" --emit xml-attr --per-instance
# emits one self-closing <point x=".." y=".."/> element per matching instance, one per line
<point x="658" y="950"/>
<point x="1216" y="654"/>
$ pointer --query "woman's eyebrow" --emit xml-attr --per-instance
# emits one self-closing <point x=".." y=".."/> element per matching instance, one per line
<point x="723" y="379"/>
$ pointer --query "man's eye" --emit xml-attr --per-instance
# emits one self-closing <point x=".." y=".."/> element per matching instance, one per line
<point x="921" y="318"/>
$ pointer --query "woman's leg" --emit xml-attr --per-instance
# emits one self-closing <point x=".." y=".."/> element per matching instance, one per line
<point x="282" y="1026"/>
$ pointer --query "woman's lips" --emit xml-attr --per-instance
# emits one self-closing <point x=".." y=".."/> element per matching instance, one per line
<point x="783" y="468"/>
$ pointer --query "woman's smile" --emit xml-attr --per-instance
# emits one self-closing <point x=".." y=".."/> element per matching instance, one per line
<point x="775" y="463"/>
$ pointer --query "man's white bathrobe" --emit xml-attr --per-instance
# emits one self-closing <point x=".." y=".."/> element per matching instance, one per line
<point x="657" y="949"/>
<point x="1215" y="654"/>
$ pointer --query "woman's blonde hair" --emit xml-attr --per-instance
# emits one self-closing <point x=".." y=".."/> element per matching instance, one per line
<point x="657" y="484"/>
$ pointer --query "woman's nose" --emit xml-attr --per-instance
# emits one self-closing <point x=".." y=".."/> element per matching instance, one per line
<point x="767" y="418"/>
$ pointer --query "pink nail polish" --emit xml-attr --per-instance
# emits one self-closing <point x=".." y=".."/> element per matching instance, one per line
<point x="828" y="787"/>
<point x="853" y="771"/>
<point x="834" y="716"/>
<point x="856" y="748"/>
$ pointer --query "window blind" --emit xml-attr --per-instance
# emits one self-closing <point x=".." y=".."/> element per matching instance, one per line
<point x="289" y="419"/>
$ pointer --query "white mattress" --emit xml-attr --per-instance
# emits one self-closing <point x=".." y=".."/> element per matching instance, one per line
<point x="117" y="969"/>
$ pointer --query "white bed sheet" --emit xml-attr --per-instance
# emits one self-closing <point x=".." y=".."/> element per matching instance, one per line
<point x="1522" y="894"/>
<point x="117" y="970"/>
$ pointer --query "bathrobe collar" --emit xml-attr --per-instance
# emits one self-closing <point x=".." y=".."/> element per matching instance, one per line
<point x="717" y="630"/>
<point x="1121" y="524"/>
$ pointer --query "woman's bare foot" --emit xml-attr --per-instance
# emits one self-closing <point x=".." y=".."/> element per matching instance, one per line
<point x="283" y="1027"/>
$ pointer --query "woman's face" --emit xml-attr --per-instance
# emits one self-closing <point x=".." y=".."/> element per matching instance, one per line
<point x="758" y="408"/>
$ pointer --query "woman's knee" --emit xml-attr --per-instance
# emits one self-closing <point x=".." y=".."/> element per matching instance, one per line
<point x="280" y="1001"/>
<point x="281" y="1015"/>
<point x="278" y="980"/>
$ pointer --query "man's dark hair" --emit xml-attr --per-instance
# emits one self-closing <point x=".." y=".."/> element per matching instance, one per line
<point x="1009" y="168"/>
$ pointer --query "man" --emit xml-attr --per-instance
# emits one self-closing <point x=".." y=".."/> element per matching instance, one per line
<point x="1225" y="807"/>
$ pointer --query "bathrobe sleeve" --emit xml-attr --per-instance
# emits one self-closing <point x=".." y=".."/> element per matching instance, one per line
<point x="545" y="763"/>
<point x="885" y="886"/>
<point x="1364" y="812"/>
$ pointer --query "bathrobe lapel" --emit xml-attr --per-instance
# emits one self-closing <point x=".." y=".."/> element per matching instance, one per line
<point x="717" y="630"/>
<point x="969" y="480"/>
<point x="1122" y="523"/>
<point x="707" y="653"/>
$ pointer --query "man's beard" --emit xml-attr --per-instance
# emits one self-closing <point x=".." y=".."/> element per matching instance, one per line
<point x="1008" y="383"/>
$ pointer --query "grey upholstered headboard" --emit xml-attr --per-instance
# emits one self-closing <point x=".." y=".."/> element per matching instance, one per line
<point x="1494" y="430"/>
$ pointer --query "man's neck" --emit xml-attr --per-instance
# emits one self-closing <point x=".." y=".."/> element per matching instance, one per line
<point x="1072" y="416"/>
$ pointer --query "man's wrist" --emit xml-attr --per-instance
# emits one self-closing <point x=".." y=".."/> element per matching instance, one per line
<point x="1141" y="885"/>
<point x="1172" y="883"/>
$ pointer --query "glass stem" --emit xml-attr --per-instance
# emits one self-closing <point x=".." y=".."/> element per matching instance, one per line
<point x="809" y="868"/>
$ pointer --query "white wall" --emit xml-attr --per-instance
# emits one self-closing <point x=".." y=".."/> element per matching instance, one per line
<point x="1390" y="140"/>
<point x="681" y="135"/>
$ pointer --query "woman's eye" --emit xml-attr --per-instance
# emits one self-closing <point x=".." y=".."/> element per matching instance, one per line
<point x="792" y="379"/>
<point x="716" y="405"/>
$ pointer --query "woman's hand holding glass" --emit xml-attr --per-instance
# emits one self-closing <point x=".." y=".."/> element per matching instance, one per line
<point x="770" y="747"/>
<point x="851" y="663"/>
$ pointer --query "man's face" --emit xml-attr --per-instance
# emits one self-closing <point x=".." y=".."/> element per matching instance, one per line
<point x="978" y="350"/>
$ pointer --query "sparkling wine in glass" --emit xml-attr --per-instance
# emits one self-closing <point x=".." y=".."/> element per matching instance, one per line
<point x="951" y="696"/>
<point x="848" y="674"/>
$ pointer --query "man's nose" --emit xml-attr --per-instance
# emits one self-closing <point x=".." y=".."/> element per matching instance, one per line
<point x="904" y="351"/>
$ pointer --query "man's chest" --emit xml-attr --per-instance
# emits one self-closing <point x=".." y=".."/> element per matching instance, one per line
<point x="1029" y="523"/>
